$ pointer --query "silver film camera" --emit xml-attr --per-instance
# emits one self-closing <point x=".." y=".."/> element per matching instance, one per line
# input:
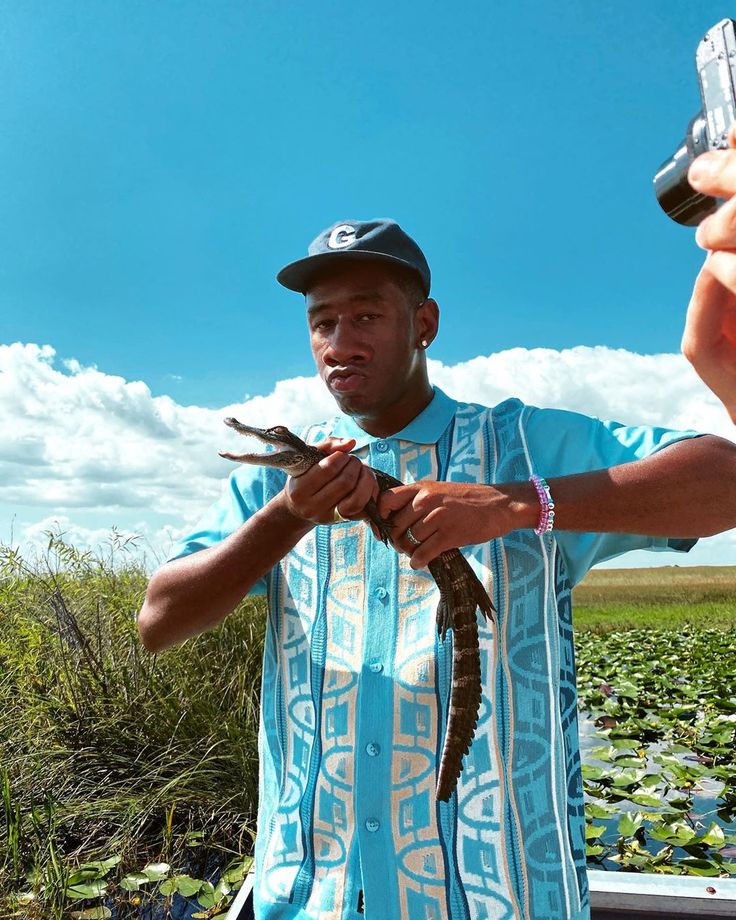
<point x="715" y="62"/>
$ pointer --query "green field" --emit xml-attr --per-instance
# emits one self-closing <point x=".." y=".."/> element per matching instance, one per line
<point x="125" y="775"/>
<point x="665" y="598"/>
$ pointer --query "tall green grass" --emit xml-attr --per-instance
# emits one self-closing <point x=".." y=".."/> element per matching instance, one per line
<point x="106" y="748"/>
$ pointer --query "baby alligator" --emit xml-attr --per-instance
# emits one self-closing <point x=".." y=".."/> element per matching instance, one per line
<point x="460" y="593"/>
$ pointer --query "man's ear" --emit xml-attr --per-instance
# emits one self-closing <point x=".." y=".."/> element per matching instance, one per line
<point x="427" y="321"/>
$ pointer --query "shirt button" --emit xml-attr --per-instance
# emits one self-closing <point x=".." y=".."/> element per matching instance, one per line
<point x="372" y="825"/>
<point x="381" y="592"/>
<point x="376" y="667"/>
<point x="372" y="749"/>
<point x="381" y="447"/>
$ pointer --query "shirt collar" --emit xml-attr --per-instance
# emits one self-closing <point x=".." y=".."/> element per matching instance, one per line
<point x="425" y="428"/>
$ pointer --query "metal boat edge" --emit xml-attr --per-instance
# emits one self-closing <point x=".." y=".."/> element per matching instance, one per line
<point x="614" y="896"/>
<point x="641" y="896"/>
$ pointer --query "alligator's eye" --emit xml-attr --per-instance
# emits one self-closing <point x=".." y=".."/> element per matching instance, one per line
<point x="278" y="431"/>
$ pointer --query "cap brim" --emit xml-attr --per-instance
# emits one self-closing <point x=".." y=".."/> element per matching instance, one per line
<point x="297" y="275"/>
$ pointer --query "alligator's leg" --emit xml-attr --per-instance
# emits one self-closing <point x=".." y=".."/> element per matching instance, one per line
<point x="382" y="525"/>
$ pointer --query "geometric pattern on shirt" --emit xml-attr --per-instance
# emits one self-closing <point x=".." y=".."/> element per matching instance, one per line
<point x="491" y="850"/>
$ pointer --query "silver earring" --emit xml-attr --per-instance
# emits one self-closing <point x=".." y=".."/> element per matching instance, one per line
<point x="425" y="343"/>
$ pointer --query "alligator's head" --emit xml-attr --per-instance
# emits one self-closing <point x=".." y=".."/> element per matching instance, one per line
<point x="291" y="455"/>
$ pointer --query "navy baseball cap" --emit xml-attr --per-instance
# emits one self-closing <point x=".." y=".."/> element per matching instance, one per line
<point x="359" y="240"/>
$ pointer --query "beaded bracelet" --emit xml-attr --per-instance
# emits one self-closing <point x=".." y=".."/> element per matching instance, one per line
<point x="546" y="505"/>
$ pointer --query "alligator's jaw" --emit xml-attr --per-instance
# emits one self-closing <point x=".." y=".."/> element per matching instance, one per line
<point x="287" y="456"/>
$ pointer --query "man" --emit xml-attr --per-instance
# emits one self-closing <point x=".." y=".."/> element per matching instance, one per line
<point x="356" y="682"/>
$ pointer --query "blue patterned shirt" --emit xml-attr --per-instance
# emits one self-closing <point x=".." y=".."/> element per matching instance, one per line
<point x="356" y="682"/>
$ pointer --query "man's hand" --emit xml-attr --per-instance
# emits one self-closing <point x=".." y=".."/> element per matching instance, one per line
<point x="338" y="482"/>
<point x="709" y="339"/>
<point x="448" y="515"/>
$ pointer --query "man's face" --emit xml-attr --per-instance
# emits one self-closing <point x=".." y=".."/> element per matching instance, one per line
<point x="363" y="335"/>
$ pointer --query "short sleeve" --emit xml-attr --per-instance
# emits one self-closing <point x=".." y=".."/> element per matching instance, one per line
<point x="562" y="443"/>
<point x="243" y="495"/>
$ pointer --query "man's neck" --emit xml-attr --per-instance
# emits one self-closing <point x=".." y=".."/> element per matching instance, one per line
<point x="396" y="417"/>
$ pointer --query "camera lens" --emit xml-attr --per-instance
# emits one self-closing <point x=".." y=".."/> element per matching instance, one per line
<point x="678" y="198"/>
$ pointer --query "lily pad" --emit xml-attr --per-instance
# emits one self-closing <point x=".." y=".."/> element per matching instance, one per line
<point x="93" y="889"/>
<point x="156" y="871"/>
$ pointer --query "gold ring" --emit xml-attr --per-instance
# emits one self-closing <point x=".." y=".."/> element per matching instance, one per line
<point x="337" y="518"/>
<point x="411" y="538"/>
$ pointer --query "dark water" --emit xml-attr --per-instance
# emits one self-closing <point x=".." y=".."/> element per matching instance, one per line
<point x="176" y="907"/>
<point x="179" y="909"/>
<point x="705" y="797"/>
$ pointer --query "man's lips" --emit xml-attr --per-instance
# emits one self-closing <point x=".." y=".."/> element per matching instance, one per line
<point x="343" y="380"/>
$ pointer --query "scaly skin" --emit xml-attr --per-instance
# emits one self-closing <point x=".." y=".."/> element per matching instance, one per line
<point x="460" y="594"/>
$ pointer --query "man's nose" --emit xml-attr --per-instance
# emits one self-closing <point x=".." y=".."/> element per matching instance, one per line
<point x="346" y="345"/>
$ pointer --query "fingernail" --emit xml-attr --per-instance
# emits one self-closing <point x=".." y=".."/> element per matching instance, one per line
<point x="702" y="168"/>
<point x="699" y="234"/>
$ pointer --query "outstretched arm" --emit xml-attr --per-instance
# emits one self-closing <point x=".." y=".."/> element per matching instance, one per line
<point x="685" y="490"/>
<point x="190" y="595"/>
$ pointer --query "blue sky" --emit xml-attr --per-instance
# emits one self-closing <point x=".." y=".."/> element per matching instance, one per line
<point x="161" y="161"/>
<point x="167" y="158"/>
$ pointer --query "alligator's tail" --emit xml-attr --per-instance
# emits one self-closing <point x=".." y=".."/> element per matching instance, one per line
<point x="461" y="593"/>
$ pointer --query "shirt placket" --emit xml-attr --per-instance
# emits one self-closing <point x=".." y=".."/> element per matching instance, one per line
<point x="374" y="741"/>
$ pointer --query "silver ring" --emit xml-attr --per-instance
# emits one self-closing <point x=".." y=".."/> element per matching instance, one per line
<point x="411" y="538"/>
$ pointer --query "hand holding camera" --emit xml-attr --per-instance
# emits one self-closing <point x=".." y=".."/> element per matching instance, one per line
<point x="709" y="340"/>
<point x="697" y="187"/>
<point x="714" y="174"/>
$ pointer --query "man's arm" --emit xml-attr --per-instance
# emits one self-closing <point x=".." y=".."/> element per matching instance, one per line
<point x="685" y="490"/>
<point x="189" y="595"/>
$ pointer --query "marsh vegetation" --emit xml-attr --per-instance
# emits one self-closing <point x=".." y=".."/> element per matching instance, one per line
<point x="127" y="778"/>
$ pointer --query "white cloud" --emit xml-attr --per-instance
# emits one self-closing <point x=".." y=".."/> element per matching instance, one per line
<point x="76" y="442"/>
<point x="608" y="383"/>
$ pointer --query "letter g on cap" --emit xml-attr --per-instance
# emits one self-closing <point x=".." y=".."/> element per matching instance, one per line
<point x="342" y="236"/>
